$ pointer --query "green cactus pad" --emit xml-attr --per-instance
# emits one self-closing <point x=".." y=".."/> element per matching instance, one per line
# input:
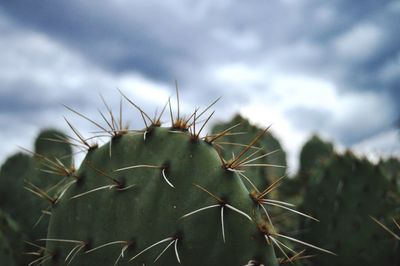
<point x="314" y="152"/>
<point x="343" y="196"/>
<point x="147" y="203"/>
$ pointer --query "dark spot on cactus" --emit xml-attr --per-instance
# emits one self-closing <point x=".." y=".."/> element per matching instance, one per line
<point x="80" y="179"/>
<point x="356" y="226"/>
<point x="56" y="256"/>
<point x="166" y="166"/>
<point x="338" y="245"/>
<point x="88" y="244"/>
<point x="92" y="148"/>
<point x="121" y="184"/>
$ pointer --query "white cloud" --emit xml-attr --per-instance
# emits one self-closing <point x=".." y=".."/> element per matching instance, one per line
<point x="283" y="95"/>
<point x="360" y="42"/>
<point x="385" y="144"/>
<point x="54" y="74"/>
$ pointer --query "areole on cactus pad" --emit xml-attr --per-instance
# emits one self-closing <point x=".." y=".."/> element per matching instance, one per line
<point x="164" y="196"/>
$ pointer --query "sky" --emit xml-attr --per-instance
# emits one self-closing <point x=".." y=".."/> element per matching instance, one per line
<point x="304" y="66"/>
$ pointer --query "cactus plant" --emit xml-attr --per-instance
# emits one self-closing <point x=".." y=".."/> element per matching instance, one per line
<point x="162" y="195"/>
<point x="314" y="152"/>
<point x="343" y="194"/>
<point x="22" y="174"/>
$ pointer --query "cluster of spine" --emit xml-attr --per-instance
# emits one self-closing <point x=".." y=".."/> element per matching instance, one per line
<point x="166" y="196"/>
<point x="25" y="181"/>
<point x="269" y="149"/>
<point x="348" y="194"/>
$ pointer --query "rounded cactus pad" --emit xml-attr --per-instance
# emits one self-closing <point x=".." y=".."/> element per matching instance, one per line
<point x="51" y="143"/>
<point x="314" y="152"/>
<point x="167" y="189"/>
<point x="164" y="196"/>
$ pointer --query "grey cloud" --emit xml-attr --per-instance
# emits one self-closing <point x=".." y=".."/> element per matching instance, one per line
<point x="182" y="40"/>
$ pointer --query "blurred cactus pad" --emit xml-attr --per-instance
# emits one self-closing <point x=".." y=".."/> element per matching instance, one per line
<point x="22" y="175"/>
<point x="345" y="193"/>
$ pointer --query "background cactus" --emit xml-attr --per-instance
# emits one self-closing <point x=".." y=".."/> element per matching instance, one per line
<point x="343" y="195"/>
<point x="314" y="152"/>
<point x="21" y="173"/>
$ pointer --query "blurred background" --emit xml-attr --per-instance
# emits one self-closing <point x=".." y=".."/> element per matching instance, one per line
<point x="304" y="66"/>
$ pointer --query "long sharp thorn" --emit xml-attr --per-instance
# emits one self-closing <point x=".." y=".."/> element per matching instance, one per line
<point x="153" y="245"/>
<point x="105" y="245"/>
<point x="222" y="223"/>
<point x="166" y="179"/>
<point x="208" y="107"/>
<point x="239" y="211"/>
<point x="305" y="243"/>
<point x="170" y="112"/>
<point x="209" y="117"/>
<point x="165" y="249"/>
<point x="271" y="187"/>
<point x="177" y="98"/>
<point x="257" y="158"/>
<point x="254" y="141"/>
<point x="289" y="209"/>
<point x="136" y="166"/>
<point x="279" y="246"/>
<point x="209" y="193"/>
<point x="386" y="228"/>
<point x="136" y="106"/>
<point x="176" y="251"/>
<point x="223" y="133"/>
<point x="199" y="210"/>
<point x="86" y="118"/>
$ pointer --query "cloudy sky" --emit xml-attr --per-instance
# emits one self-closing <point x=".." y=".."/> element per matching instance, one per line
<point x="304" y="66"/>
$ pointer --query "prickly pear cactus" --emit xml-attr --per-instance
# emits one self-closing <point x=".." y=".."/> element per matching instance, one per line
<point x="314" y="152"/>
<point x="25" y="181"/>
<point x="22" y="174"/>
<point x="391" y="169"/>
<point x="163" y="196"/>
<point x="344" y="195"/>
<point x="271" y="150"/>
<point x="12" y="194"/>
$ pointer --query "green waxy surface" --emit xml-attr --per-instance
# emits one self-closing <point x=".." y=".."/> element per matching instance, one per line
<point x="150" y="210"/>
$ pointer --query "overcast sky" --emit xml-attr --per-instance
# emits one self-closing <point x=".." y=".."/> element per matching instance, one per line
<point x="331" y="67"/>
